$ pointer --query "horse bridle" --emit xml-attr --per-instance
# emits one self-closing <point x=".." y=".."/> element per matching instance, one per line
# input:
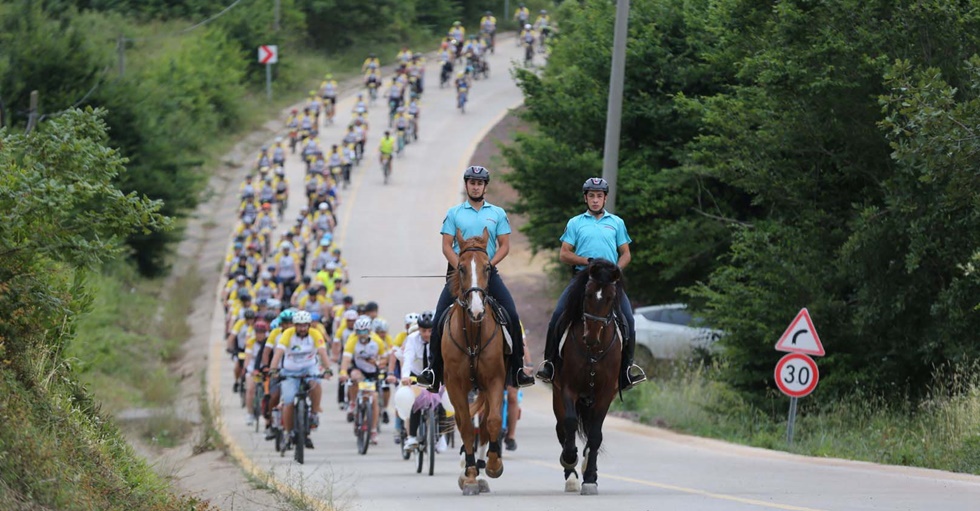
<point x="483" y="292"/>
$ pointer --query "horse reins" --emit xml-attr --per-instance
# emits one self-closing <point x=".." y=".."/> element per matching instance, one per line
<point x="595" y="357"/>
<point x="473" y="348"/>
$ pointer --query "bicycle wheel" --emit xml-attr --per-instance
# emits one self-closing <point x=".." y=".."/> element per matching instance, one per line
<point x="257" y="404"/>
<point x="299" y="426"/>
<point x="387" y="170"/>
<point x="241" y="389"/>
<point x="363" y="435"/>
<point x="423" y="437"/>
<point x="432" y="433"/>
<point x="406" y="454"/>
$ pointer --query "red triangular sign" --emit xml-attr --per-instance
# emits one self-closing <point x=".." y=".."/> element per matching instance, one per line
<point x="801" y="337"/>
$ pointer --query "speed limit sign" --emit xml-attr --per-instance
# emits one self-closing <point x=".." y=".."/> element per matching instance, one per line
<point x="796" y="375"/>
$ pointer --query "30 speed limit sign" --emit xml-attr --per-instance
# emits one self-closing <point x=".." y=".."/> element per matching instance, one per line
<point x="796" y="375"/>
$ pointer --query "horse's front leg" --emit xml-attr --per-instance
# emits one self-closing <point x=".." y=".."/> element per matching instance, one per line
<point x="464" y="424"/>
<point x="569" y="452"/>
<point x="590" y="470"/>
<point x="495" y="400"/>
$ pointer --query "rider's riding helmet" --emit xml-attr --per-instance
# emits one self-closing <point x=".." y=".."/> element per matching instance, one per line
<point x="363" y="324"/>
<point x="595" y="184"/>
<point x="302" y="318"/>
<point x="411" y="317"/>
<point x="476" y="172"/>
<point x="261" y="326"/>
<point x="249" y="314"/>
<point x="427" y="319"/>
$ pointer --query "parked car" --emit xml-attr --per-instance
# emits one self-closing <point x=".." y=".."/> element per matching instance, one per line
<point x="671" y="332"/>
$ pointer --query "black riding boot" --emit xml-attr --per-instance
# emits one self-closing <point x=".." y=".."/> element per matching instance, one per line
<point x="547" y="371"/>
<point x="631" y="374"/>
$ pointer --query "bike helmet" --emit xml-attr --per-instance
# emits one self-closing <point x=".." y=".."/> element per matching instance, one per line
<point x="261" y="326"/>
<point x="427" y="319"/>
<point x="350" y="314"/>
<point x="249" y="314"/>
<point x="527" y="26"/>
<point x="379" y="325"/>
<point x="543" y="11"/>
<point x="302" y="318"/>
<point x="315" y="316"/>
<point x="328" y="76"/>
<point x="371" y="306"/>
<point x="285" y="245"/>
<point x="286" y="316"/>
<point x="456" y="23"/>
<point x="270" y="316"/>
<point x="411" y="317"/>
<point x="476" y="172"/>
<point x="244" y="295"/>
<point x="330" y="266"/>
<point x="362" y="323"/>
<point x="596" y="184"/>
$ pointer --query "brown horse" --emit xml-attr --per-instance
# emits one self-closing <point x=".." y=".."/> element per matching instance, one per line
<point x="586" y="382"/>
<point x="473" y="354"/>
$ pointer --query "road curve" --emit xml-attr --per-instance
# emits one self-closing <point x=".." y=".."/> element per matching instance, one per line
<point x="394" y="230"/>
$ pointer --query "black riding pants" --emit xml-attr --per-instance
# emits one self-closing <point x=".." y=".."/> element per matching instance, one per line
<point x="499" y="291"/>
<point x="625" y="312"/>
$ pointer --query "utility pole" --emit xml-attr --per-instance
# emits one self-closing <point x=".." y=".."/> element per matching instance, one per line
<point x="275" y="24"/>
<point x="614" y="111"/>
<point x="32" y="114"/>
<point x="121" y="51"/>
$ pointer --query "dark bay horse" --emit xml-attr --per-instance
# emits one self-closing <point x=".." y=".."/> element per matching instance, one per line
<point x="586" y="378"/>
<point x="473" y="355"/>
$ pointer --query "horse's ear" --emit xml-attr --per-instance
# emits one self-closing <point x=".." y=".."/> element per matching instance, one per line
<point x="485" y="236"/>
<point x="459" y="236"/>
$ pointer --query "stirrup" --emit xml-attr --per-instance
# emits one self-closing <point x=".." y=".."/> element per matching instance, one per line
<point x="528" y="380"/>
<point x="543" y="373"/>
<point x="634" y="376"/>
<point x="426" y="379"/>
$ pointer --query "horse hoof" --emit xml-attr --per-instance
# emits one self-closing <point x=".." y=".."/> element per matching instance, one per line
<point x="471" y="489"/>
<point x="572" y="486"/>
<point x="590" y="489"/>
<point x="495" y="472"/>
<point x="484" y="485"/>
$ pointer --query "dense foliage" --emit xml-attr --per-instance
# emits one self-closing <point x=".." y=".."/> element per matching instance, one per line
<point x="62" y="217"/>
<point x="776" y="156"/>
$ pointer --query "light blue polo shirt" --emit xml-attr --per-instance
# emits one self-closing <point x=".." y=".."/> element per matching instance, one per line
<point x="596" y="238"/>
<point x="471" y="222"/>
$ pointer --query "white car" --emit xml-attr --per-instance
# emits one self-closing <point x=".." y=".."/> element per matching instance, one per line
<point x="670" y="332"/>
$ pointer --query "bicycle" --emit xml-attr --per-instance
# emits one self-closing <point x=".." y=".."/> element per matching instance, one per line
<point x="260" y="401"/>
<point x="364" y="414"/>
<point x="386" y="166"/>
<point x="302" y="417"/>
<point x="400" y="146"/>
<point x="428" y="436"/>
<point x="461" y="100"/>
<point x="241" y="379"/>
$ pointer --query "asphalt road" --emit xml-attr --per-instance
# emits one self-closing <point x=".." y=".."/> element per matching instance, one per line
<point x="393" y="230"/>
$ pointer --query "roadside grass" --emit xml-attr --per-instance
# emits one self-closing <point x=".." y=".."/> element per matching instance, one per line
<point x="942" y="432"/>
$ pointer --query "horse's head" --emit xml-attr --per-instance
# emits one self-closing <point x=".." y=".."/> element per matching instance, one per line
<point x="472" y="274"/>
<point x="601" y="297"/>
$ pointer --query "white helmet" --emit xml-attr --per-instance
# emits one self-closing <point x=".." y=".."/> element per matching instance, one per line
<point x="527" y="26"/>
<point x="379" y="325"/>
<point x="285" y="245"/>
<point x="362" y="323"/>
<point x="302" y="318"/>
<point x="350" y="314"/>
<point x="411" y="317"/>
<point x="323" y="206"/>
<point x="331" y="266"/>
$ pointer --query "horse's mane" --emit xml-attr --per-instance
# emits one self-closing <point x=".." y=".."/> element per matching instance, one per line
<point x="605" y="271"/>
<point x="474" y="242"/>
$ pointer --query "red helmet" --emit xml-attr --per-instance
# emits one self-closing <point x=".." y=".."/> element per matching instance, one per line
<point x="261" y="326"/>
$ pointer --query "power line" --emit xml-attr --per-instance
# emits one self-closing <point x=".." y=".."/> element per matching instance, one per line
<point x="188" y="29"/>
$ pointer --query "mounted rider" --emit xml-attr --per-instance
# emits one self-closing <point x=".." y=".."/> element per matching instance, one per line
<point x="471" y="218"/>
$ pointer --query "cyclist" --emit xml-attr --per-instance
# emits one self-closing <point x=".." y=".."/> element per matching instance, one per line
<point x="344" y="329"/>
<point x="370" y="63"/>
<point x="278" y="153"/>
<point x="596" y="233"/>
<point x="385" y="149"/>
<point x="404" y="55"/>
<point x="488" y="25"/>
<point x="362" y="355"/>
<point x="372" y="80"/>
<point x="522" y="15"/>
<point x="380" y="328"/>
<point x="361" y="106"/>
<point x="472" y="217"/>
<point x="238" y="336"/>
<point x="298" y="349"/>
<point x="458" y="31"/>
<point x="253" y="355"/>
<point x="292" y="124"/>
<point x="401" y="122"/>
<point x="287" y="270"/>
<point x="462" y="87"/>
<point x="328" y="91"/>
<point x="415" y="354"/>
<point x="414" y="110"/>
<point x="543" y="26"/>
<point x="285" y="322"/>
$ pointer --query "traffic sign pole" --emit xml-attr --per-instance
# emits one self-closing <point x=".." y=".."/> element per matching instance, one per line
<point x="791" y="422"/>
<point x="268" y="82"/>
